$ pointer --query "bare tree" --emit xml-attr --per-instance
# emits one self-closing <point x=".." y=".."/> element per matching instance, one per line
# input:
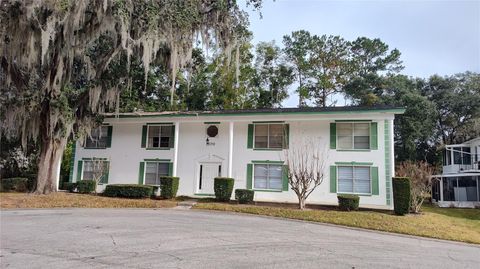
<point x="420" y="174"/>
<point x="306" y="162"/>
<point x="100" y="169"/>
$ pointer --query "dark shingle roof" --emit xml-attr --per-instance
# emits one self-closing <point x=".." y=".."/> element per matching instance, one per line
<point x="289" y="110"/>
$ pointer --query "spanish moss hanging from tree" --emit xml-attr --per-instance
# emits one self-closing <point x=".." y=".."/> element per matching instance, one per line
<point x="64" y="62"/>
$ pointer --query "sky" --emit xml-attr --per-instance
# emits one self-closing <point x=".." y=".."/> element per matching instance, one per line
<point x="434" y="37"/>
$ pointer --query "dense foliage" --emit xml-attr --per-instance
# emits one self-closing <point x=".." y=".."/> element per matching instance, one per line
<point x="401" y="195"/>
<point x="64" y="63"/>
<point x="223" y="187"/>
<point x="244" y="196"/>
<point x="168" y="187"/>
<point x="348" y="202"/>
<point x="128" y="191"/>
<point x="420" y="174"/>
<point x="16" y="184"/>
<point x="86" y="186"/>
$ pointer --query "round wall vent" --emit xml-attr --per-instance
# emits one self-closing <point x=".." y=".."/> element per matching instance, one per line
<point x="212" y="131"/>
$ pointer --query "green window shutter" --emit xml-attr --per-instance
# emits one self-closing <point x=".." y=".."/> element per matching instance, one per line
<point x="104" y="178"/>
<point x="79" y="170"/>
<point x="249" y="175"/>
<point x="374" y="175"/>
<point x="333" y="179"/>
<point x="144" y="136"/>
<point x="333" y="135"/>
<point x="373" y="135"/>
<point x="171" y="143"/>
<point x="141" y="173"/>
<point x="287" y="136"/>
<point x="109" y="136"/>
<point x="285" y="178"/>
<point x="250" y="136"/>
<point x="170" y="168"/>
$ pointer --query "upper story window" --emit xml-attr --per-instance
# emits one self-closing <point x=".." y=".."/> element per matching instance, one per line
<point x="155" y="170"/>
<point x="99" y="138"/>
<point x="270" y="136"/>
<point x="353" y="135"/>
<point x="354" y="179"/>
<point x="457" y="155"/>
<point x="160" y="136"/>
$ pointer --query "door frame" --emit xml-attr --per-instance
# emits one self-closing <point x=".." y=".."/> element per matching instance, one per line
<point x="204" y="159"/>
<point x="199" y="172"/>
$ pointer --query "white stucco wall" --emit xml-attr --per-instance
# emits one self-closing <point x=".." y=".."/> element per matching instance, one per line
<point x="125" y="153"/>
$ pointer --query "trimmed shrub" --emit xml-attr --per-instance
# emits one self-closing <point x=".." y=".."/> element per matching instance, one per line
<point x="128" y="190"/>
<point x="70" y="186"/>
<point x="244" y="196"/>
<point x="86" y="186"/>
<point x="32" y="182"/>
<point x="16" y="184"/>
<point x="401" y="195"/>
<point x="168" y="187"/>
<point x="348" y="202"/>
<point x="223" y="187"/>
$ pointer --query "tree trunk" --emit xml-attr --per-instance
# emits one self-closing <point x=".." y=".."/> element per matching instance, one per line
<point x="50" y="155"/>
<point x="301" y="203"/>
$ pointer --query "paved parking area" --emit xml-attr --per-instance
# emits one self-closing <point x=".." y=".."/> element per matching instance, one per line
<point x="169" y="238"/>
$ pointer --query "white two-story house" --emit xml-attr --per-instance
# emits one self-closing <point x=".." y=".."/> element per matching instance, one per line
<point x="249" y="146"/>
<point x="459" y="183"/>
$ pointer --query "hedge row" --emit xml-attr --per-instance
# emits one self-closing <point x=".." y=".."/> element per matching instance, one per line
<point x="86" y="186"/>
<point x="18" y="184"/>
<point x="128" y="190"/>
<point x="348" y="202"/>
<point x="244" y="196"/>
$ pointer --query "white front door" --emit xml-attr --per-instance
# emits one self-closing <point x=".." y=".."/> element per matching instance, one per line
<point x="207" y="173"/>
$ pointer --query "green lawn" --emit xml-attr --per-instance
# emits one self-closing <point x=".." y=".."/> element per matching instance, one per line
<point x="442" y="223"/>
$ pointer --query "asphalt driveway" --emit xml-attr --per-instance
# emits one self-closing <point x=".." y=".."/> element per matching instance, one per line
<point x="169" y="238"/>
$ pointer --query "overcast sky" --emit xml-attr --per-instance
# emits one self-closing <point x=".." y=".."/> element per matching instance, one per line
<point x="434" y="37"/>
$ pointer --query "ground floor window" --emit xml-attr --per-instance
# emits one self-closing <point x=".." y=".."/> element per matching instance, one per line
<point x="268" y="176"/>
<point x="354" y="179"/>
<point x="461" y="189"/>
<point x="96" y="170"/>
<point x="155" y="170"/>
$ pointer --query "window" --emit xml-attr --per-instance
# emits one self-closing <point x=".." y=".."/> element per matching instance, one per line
<point x="96" y="170"/>
<point x="353" y="135"/>
<point x="461" y="155"/>
<point x="270" y="136"/>
<point x="98" y="139"/>
<point x="354" y="179"/>
<point x="160" y="136"/>
<point x="268" y="176"/>
<point x="155" y="170"/>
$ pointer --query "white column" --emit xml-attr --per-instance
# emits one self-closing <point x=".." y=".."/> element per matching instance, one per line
<point x="175" y="148"/>
<point x="58" y="173"/>
<point x="230" y="149"/>
<point x="441" y="188"/>
<point x="392" y="152"/>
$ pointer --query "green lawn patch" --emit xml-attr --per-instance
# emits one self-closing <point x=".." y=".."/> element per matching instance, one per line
<point x="442" y="223"/>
